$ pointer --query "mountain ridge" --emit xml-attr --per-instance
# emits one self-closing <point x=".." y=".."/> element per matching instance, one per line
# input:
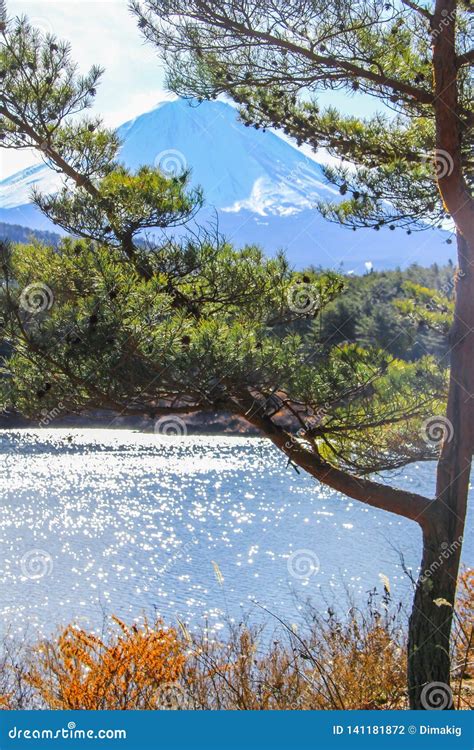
<point x="262" y="189"/>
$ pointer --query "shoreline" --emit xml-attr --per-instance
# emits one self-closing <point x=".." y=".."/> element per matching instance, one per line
<point x="207" y="424"/>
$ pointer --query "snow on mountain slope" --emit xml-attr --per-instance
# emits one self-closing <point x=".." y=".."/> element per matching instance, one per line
<point x="237" y="167"/>
<point x="233" y="164"/>
<point x="263" y="188"/>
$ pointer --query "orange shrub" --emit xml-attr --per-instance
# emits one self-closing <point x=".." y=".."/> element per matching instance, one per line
<point x="137" y="668"/>
<point x="5" y="702"/>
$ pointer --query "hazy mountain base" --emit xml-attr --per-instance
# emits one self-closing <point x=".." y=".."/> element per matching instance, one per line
<point x="195" y="424"/>
<point x="305" y="237"/>
<point x="17" y="233"/>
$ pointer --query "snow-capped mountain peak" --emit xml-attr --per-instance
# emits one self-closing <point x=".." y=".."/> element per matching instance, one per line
<point x="263" y="189"/>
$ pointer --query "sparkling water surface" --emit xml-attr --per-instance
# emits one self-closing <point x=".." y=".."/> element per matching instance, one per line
<point x="96" y="522"/>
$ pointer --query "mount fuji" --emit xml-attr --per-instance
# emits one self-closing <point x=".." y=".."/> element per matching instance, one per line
<point x="258" y="188"/>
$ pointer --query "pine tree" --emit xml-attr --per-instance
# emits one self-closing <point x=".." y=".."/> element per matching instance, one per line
<point x="413" y="169"/>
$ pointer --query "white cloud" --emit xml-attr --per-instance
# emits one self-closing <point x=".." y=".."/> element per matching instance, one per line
<point x="101" y="32"/>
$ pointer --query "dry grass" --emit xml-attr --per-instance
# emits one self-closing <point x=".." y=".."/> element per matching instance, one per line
<point x="356" y="661"/>
<point x="331" y="662"/>
<point x="463" y="642"/>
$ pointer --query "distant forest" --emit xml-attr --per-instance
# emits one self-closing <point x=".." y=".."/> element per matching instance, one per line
<point x="368" y="312"/>
<point x="365" y="311"/>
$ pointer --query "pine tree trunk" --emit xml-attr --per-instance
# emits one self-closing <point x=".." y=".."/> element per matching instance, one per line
<point x="443" y="524"/>
<point x="431" y="618"/>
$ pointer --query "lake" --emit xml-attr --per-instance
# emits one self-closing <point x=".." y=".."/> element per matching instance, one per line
<point x="195" y="528"/>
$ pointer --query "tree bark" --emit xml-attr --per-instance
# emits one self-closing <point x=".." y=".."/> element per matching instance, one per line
<point x="401" y="502"/>
<point x="431" y="618"/>
<point x="430" y="621"/>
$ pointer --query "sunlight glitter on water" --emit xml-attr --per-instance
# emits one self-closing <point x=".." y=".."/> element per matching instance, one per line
<point x="96" y="521"/>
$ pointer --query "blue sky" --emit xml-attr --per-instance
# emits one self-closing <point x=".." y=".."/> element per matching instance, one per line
<point x="103" y="32"/>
